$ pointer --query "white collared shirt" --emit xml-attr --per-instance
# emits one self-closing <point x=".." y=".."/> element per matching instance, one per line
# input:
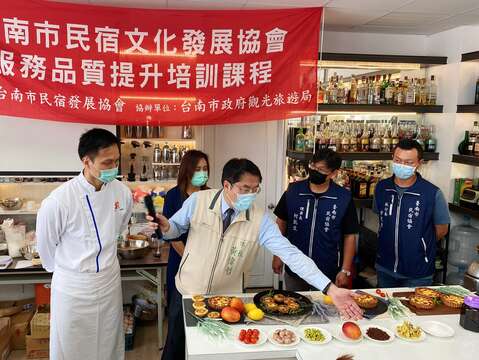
<point x="77" y="226"/>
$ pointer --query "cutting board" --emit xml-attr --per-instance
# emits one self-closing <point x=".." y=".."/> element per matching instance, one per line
<point x="192" y="321"/>
<point x="438" y="310"/>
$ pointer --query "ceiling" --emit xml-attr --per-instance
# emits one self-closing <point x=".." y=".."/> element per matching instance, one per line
<point x="421" y="17"/>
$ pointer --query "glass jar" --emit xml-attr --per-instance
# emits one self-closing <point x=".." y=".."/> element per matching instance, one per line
<point x="470" y="313"/>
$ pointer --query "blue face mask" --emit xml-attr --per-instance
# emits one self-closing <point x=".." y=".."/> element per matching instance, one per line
<point x="199" y="178"/>
<point x="108" y="175"/>
<point x="403" y="172"/>
<point x="244" y="201"/>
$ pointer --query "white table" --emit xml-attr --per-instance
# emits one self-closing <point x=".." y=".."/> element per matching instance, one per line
<point x="463" y="346"/>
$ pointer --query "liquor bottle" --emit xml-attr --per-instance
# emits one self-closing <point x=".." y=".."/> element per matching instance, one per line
<point x="375" y="142"/>
<point x="309" y="141"/>
<point x="327" y="92"/>
<point x="353" y="92"/>
<point x="353" y="141"/>
<point x="423" y="93"/>
<point x="371" y="90"/>
<point x="463" y="147"/>
<point x="299" y="144"/>
<point x="362" y="187"/>
<point x="321" y="93"/>
<point x="389" y="93"/>
<point x="341" y="97"/>
<point x="386" y="145"/>
<point x="394" y="138"/>
<point x="431" y="143"/>
<point x="432" y="91"/>
<point x="476" y="97"/>
<point x="345" y="141"/>
<point x="377" y="90"/>
<point x="400" y="94"/>
<point x="417" y="91"/>
<point x="474" y="139"/>
<point x="384" y="85"/>
<point x="363" y="91"/>
<point x="365" y="140"/>
<point x="410" y="93"/>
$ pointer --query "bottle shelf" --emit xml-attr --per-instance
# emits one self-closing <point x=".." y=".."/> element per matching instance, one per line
<point x="468" y="109"/>
<point x="424" y="61"/>
<point x="165" y="164"/>
<point x="465" y="159"/>
<point x="472" y="56"/>
<point x="303" y="156"/>
<point x="463" y="210"/>
<point x="367" y="108"/>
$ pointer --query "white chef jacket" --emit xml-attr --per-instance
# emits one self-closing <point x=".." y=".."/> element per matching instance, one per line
<point x="77" y="226"/>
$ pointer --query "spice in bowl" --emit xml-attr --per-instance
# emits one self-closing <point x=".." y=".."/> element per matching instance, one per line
<point x="377" y="334"/>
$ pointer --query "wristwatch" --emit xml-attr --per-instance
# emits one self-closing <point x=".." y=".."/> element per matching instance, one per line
<point x="325" y="290"/>
<point x="348" y="273"/>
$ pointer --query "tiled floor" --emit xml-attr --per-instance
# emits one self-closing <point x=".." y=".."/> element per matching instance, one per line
<point x="145" y="347"/>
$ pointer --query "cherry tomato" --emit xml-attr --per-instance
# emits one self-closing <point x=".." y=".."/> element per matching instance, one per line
<point x="256" y="332"/>
<point x="378" y="291"/>
<point x="383" y="294"/>
<point x="246" y="340"/>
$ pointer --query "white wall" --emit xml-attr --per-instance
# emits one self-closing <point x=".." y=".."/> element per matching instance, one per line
<point x="34" y="145"/>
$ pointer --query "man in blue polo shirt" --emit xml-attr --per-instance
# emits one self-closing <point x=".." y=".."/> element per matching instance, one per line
<point x="318" y="216"/>
<point x="413" y="216"/>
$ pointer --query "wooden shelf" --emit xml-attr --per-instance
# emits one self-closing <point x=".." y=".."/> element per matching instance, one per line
<point x="467" y="108"/>
<point x="367" y="108"/>
<point x="472" y="56"/>
<point x="401" y="59"/>
<point x="463" y="210"/>
<point x="302" y="156"/>
<point x="465" y="159"/>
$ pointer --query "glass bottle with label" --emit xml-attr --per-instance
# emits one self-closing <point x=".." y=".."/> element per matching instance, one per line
<point x="410" y="93"/>
<point x="309" y="141"/>
<point x="431" y="144"/>
<point x="400" y="94"/>
<point x="463" y="147"/>
<point x="389" y="93"/>
<point x="365" y="139"/>
<point x="353" y="92"/>
<point x="432" y="91"/>
<point x="299" y="141"/>
<point x="375" y="142"/>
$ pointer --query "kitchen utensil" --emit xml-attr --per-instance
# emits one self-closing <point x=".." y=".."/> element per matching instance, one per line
<point x="136" y="249"/>
<point x="187" y="132"/>
<point x="139" y="131"/>
<point x="437" y="329"/>
<point x="305" y="305"/>
<point x="129" y="131"/>
<point x="11" y="203"/>
<point x="29" y="252"/>
<point x="157" y="154"/>
<point x="152" y="212"/>
<point x="471" y="278"/>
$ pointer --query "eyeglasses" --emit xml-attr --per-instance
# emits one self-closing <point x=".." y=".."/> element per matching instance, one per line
<point x="312" y="167"/>
<point x="247" y="190"/>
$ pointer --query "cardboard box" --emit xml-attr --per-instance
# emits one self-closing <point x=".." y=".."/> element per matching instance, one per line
<point x="4" y="338"/>
<point x="37" y="348"/>
<point x="9" y="308"/>
<point x="19" y="328"/>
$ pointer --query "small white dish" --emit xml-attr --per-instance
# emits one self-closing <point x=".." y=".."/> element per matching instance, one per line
<point x="364" y="330"/>
<point x="293" y="344"/>
<point x="422" y="337"/>
<point x="437" y="329"/>
<point x="339" y="335"/>
<point x="327" y="335"/>
<point x="261" y="339"/>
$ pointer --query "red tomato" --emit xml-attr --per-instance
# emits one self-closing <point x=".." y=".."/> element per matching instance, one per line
<point x="246" y="340"/>
<point x="378" y="291"/>
<point x="256" y="332"/>
<point x="254" y="340"/>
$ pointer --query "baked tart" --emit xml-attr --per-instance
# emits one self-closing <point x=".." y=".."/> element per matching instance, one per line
<point x="427" y="292"/>
<point x="366" y="301"/>
<point x="267" y="300"/>
<point x="201" y="312"/>
<point x="279" y="298"/>
<point x="452" y="301"/>
<point x="218" y="303"/>
<point x="214" y="315"/>
<point x="271" y="306"/>
<point x="283" y="309"/>
<point x="422" y="302"/>
<point x="198" y="298"/>
<point x="199" y="305"/>
<point x="293" y="306"/>
<point x="288" y="300"/>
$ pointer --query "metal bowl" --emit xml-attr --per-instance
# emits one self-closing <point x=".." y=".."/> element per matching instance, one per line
<point x="11" y="204"/>
<point x="133" y="249"/>
<point x="29" y="252"/>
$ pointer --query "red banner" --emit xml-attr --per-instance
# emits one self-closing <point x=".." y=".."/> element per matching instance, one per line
<point x="110" y="65"/>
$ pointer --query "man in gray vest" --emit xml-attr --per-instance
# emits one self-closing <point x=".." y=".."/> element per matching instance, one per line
<point x="226" y="230"/>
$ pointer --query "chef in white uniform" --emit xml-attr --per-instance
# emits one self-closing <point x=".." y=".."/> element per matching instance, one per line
<point x="77" y="229"/>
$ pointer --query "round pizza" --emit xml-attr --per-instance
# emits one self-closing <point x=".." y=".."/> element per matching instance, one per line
<point x="452" y="301"/>
<point x="422" y="302"/>
<point x="218" y="302"/>
<point x="427" y="292"/>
